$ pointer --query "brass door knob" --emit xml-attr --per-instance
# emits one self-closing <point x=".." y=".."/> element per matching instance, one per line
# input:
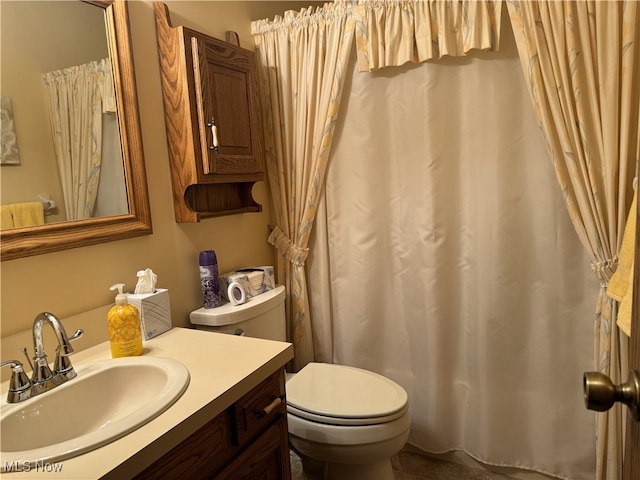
<point x="600" y="393"/>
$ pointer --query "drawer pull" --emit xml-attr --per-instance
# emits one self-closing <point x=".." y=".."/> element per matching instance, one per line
<point x="267" y="410"/>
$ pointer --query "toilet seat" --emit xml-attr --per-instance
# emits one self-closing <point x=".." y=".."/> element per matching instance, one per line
<point x="347" y="396"/>
<point x="344" y="421"/>
<point x="328" y="434"/>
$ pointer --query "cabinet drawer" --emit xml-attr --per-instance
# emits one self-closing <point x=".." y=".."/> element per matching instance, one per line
<point x="258" y="408"/>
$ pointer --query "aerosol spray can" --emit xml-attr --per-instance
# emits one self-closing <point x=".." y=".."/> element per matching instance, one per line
<point x="209" y="279"/>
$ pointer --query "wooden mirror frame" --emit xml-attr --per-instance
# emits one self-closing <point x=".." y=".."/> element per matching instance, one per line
<point x="28" y="241"/>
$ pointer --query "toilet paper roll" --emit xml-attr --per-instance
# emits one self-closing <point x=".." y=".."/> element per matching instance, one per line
<point x="236" y="294"/>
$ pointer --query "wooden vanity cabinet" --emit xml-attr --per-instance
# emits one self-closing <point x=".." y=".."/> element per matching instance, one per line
<point x="213" y="121"/>
<point x="249" y="440"/>
<point x="264" y="460"/>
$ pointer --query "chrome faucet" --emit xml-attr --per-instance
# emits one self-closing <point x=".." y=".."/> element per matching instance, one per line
<point x="62" y="366"/>
<point x="42" y="378"/>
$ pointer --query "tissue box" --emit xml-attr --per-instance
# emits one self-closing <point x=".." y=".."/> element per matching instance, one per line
<point x="155" y="311"/>
<point x="254" y="280"/>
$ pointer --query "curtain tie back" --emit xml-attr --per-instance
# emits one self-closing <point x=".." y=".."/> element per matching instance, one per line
<point x="292" y="252"/>
<point x="605" y="269"/>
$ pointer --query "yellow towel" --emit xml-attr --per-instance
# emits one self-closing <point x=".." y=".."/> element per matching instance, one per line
<point x="27" y="214"/>
<point x="620" y="286"/>
<point x="6" y="217"/>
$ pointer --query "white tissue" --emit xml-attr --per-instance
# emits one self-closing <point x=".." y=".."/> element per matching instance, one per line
<point x="146" y="281"/>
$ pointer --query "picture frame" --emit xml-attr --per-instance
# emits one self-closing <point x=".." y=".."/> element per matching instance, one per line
<point x="9" y="143"/>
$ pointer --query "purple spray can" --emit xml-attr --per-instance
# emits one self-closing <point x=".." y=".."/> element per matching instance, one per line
<point x="209" y="279"/>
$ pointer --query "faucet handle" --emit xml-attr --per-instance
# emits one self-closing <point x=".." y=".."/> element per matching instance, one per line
<point x="78" y="334"/>
<point x="19" y="385"/>
<point x="62" y="364"/>
<point x="66" y="349"/>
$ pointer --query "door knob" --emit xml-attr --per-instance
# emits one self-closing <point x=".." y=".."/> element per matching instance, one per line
<point x="600" y="393"/>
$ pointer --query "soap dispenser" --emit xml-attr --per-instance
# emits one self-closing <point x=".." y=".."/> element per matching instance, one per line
<point x="123" y="321"/>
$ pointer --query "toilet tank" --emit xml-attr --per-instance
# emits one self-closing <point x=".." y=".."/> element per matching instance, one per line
<point x="261" y="316"/>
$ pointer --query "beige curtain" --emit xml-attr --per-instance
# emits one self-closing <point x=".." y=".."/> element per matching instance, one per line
<point x="443" y="258"/>
<point x="394" y="32"/>
<point x="78" y="96"/>
<point x="302" y="58"/>
<point x="581" y="63"/>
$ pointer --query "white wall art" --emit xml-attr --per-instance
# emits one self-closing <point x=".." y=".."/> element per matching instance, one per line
<point x="9" y="143"/>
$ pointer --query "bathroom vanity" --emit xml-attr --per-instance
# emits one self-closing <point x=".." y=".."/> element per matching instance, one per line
<point x="230" y="423"/>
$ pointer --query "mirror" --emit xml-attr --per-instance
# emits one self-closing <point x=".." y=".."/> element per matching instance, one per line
<point x="134" y="218"/>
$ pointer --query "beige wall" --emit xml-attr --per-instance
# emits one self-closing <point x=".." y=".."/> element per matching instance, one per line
<point x="74" y="281"/>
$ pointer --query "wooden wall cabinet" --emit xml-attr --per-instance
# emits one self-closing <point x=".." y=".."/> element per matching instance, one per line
<point x="213" y="121"/>
<point x="247" y="441"/>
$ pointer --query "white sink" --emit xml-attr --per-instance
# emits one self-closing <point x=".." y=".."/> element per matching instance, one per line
<point x="107" y="400"/>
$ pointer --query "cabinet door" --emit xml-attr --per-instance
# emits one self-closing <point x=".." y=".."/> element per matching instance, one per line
<point x="267" y="458"/>
<point x="204" y="452"/>
<point x="228" y="107"/>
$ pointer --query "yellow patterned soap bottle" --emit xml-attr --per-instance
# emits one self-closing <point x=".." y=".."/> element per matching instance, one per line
<point x="123" y="321"/>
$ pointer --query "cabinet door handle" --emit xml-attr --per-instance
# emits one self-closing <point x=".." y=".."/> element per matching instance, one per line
<point x="269" y="408"/>
<point x="214" y="132"/>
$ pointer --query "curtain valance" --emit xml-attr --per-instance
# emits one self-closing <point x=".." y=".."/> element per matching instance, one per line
<point x="394" y="32"/>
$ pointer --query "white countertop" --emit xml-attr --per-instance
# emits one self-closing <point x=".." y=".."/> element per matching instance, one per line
<point x="222" y="367"/>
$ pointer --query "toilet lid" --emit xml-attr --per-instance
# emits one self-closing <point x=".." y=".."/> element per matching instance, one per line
<point x="324" y="392"/>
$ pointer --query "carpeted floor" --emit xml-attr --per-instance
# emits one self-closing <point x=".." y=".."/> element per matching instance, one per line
<point x="412" y="466"/>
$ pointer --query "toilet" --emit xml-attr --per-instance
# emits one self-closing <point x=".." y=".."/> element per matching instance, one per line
<point x="344" y="422"/>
